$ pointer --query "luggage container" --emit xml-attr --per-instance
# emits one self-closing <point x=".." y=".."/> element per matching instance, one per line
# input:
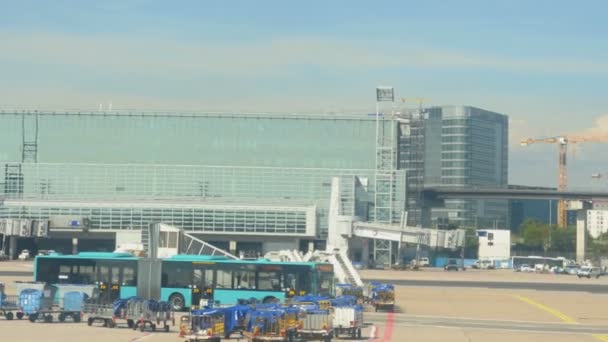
<point x="37" y="306"/>
<point x="316" y="324"/>
<point x="206" y="325"/>
<point x="348" y="317"/>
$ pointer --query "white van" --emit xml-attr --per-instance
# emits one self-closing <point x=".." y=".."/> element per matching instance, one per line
<point x="589" y="272"/>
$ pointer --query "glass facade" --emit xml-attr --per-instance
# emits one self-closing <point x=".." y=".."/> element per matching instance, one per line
<point x="205" y="172"/>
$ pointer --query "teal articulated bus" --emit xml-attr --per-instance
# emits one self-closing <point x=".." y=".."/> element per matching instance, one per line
<point x="188" y="279"/>
<point x="115" y="274"/>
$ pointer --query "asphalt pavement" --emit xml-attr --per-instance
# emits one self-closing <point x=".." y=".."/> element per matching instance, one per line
<point x="593" y="288"/>
<point x="469" y="323"/>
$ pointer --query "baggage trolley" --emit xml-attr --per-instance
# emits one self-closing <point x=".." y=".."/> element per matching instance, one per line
<point x="205" y="325"/>
<point x="149" y="313"/>
<point x="109" y="315"/>
<point x="382" y="296"/>
<point x="9" y="307"/>
<point x="267" y="325"/>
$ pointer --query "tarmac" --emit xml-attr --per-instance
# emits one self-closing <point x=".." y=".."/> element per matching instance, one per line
<point x="456" y="306"/>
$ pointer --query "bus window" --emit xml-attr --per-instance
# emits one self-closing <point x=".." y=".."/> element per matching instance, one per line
<point x="115" y="275"/>
<point x="178" y="275"/>
<point x="104" y="273"/>
<point x="65" y="274"/>
<point x="203" y="277"/>
<point x="269" y="281"/>
<point x="223" y="279"/>
<point x="326" y="284"/>
<point x="244" y="279"/>
<point x="86" y="275"/>
<point x="129" y="278"/>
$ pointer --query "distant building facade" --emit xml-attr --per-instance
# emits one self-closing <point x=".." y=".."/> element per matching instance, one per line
<point x="456" y="146"/>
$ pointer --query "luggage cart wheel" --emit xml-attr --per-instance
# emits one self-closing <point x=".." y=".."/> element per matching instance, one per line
<point x="359" y="333"/>
<point x="153" y="326"/>
<point x="111" y="324"/>
<point x="9" y="316"/>
<point x="48" y="319"/>
<point x="90" y="321"/>
<point x="166" y="328"/>
<point x="19" y="315"/>
<point x="61" y="317"/>
<point x="33" y="317"/>
<point x="76" y="318"/>
<point x="327" y="338"/>
<point x="142" y="326"/>
<point x="130" y="323"/>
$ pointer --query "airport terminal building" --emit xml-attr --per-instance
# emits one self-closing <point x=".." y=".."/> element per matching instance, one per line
<point x="254" y="182"/>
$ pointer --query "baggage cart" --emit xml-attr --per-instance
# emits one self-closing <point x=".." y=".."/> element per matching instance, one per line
<point x="267" y="325"/>
<point x="110" y="315"/>
<point x="150" y="313"/>
<point x="350" y="290"/>
<point x="206" y="325"/>
<point x="235" y="319"/>
<point x="348" y="317"/>
<point x="382" y="296"/>
<point x="316" y="324"/>
<point x="9" y="307"/>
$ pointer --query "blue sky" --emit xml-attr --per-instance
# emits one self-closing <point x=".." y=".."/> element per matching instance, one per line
<point x="544" y="63"/>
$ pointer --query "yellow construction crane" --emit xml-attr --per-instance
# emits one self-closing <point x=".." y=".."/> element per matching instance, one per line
<point x="562" y="144"/>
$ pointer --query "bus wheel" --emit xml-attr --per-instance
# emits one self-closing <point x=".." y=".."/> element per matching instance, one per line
<point x="177" y="302"/>
<point x="269" y="299"/>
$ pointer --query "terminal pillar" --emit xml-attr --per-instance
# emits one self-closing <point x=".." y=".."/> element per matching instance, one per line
<point x="232" y="247"/>
<point x="74" y="245"/>
<point x="12" y="247"/>
<point x="581" y="224"/>
<point x="365" y="252"/>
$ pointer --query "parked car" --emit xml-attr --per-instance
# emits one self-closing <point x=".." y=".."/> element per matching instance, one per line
<point x="589" y="272"/>
<point x="424" y="262"/>
<point x="453" y="265"/>
<point x="24" y="255"/>
<point x="483" y="265"/>
<point x="572" y="269"/>
<point x="526" y="268"/>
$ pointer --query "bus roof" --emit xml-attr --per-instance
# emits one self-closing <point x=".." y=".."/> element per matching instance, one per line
<point x="91" y="255"/>
<point x="223" y="259"/>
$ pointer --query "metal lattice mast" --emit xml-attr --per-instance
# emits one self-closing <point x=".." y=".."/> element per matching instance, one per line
<point x="385" y="158"/>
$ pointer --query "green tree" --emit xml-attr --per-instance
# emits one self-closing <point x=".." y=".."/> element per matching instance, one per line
<point x="536" y="234"/>
<point x="563" y="239"/>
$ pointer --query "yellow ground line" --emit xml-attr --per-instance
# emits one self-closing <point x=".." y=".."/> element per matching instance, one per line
<point x="601" y="337"/>
<point x="545" y="308"/>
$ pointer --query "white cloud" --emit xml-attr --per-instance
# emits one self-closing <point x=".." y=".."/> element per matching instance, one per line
<point x="167" y="57"/>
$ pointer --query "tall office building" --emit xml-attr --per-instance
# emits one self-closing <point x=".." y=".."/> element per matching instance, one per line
<point x="457" y="146"/>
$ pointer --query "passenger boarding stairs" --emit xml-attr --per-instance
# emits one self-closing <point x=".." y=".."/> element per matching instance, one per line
<point x="190" y="244"/>
<point x="285" y="255"/>
<point x="184" y="243"/>
<point x="344" y="270"/>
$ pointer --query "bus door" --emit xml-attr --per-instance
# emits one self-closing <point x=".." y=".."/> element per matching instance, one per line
<point x="108" y="282"/>
<point x="202" y="284"/>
